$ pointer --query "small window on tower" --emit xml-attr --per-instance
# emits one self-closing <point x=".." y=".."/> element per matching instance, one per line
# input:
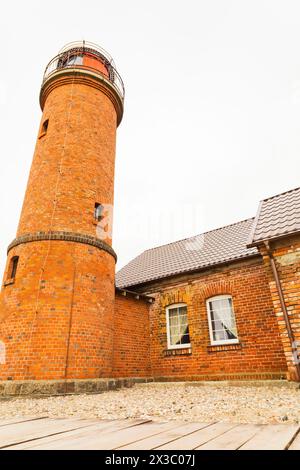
<point x="13" y="265"/>
<point x="98" y="212"/>
<point x="45" y="125"/>
<point x="44" y="128"/>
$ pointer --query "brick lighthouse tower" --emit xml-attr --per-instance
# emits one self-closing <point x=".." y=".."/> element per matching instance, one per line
<point x="57" y="299"/>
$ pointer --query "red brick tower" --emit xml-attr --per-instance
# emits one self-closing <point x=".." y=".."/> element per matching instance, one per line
<point x="57" y="300"/>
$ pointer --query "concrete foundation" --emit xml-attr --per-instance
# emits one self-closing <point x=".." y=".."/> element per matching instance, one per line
<point x="44" y="388"/>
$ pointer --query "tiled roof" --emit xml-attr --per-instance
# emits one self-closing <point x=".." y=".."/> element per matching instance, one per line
<point x="277" y="216"/>
<point x="205" y="250"/>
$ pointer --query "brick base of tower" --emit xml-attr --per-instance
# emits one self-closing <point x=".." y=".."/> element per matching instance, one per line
<point x="56" y="320"/>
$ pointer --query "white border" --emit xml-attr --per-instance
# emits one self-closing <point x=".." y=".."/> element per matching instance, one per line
<point x="174" y="346"/>
<point x="224" y="341"/>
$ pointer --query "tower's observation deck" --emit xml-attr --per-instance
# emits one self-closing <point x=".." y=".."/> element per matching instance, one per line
<point x="83" y="58"/>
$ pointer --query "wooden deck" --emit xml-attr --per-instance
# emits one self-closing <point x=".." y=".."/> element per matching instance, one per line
<point x="74" y="433"/>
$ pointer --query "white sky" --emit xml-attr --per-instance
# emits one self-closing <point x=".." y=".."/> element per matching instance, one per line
<point x="212" y="111"/>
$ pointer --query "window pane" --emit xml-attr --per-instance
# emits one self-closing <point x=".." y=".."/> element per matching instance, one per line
<point x="173" y="330"/>
<point x="178" y="326"/>
<point x="185" y="339"/>
<point x="175" y="339"/>
<point x="217" y="325"/>
<point x="219" y="335"/>
<point x="222" y="319"/>
<point x="75" y="60"/>
<point x="173" y="312"/>
<point x="230" y="334"/>
<point x="173" y="321"/>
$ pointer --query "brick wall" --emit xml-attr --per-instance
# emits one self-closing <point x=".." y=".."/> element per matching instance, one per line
<point x="58" y="324"/>
<point x="286" y="253"/>
<point x="131" y="337"/>
<point x="73" y="164"/>
<point x="260" y="352"/>
<point x="60" y="317"/>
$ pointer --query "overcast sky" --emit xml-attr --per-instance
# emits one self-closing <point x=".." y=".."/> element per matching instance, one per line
<point x="212" y="110"/>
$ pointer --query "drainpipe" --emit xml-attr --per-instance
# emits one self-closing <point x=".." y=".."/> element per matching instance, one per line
<point x="284" y="309"/>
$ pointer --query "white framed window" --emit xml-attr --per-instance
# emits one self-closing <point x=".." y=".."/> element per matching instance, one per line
<point x="177" y="327"/>
<point x="221" y="320"/>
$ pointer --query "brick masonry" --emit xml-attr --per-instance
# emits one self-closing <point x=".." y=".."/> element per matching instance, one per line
<point x="286" y="253"/>
<point x="259" y="353"/>
<point x="61" y="319"/>
<point x="56" y="316"/>
<point x="66" y="236"/>
<point x="59" y="324"/>
<point x="73" y="164"/>
<point x="131" y="337"/>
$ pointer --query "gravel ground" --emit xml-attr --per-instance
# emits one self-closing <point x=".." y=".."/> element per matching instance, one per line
<point x="246" y="404"/>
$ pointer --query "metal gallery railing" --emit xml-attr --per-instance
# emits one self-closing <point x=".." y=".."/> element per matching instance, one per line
<point x="67" y="59"/>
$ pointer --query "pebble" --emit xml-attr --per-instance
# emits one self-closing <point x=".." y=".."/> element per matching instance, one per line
<point x="183" y="402"/>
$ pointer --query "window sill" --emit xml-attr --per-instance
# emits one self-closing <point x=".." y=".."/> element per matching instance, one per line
<point x="178" y="352"/>
<point x="8" y="282"/>
<point x="224" y="347"/>
<point x="42" y="135"/>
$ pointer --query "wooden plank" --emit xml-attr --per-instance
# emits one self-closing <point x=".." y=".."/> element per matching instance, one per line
<point x="232" y="439"/>
<point x="112" y="439"/>
<point x="153" y="442"/>
<point x="29" y="430"/>
<point x="272" y="437"/>
<point x="54" y="442"/>
<point x="197" y="438"/>
<point x="15" y="420"/>
<point x="76" y="433"/>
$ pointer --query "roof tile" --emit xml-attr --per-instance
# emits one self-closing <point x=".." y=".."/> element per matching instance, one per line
<point x="277" y="216"/>
<point x="208" y="249"/>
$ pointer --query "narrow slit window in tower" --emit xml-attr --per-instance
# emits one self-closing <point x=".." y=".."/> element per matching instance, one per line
<point x="13" y="267"/>
<point x="98" y="212"/>
<point x="45" y="126"/>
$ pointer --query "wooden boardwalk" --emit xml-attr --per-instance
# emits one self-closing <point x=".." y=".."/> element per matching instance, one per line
<point x="74" y="433"/>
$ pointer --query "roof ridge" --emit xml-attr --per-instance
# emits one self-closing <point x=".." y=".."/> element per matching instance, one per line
<point x="280" y="194"/>
<point x="197" y="235"/>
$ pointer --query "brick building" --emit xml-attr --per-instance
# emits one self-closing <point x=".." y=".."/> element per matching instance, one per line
<point x="221" y="305"/>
